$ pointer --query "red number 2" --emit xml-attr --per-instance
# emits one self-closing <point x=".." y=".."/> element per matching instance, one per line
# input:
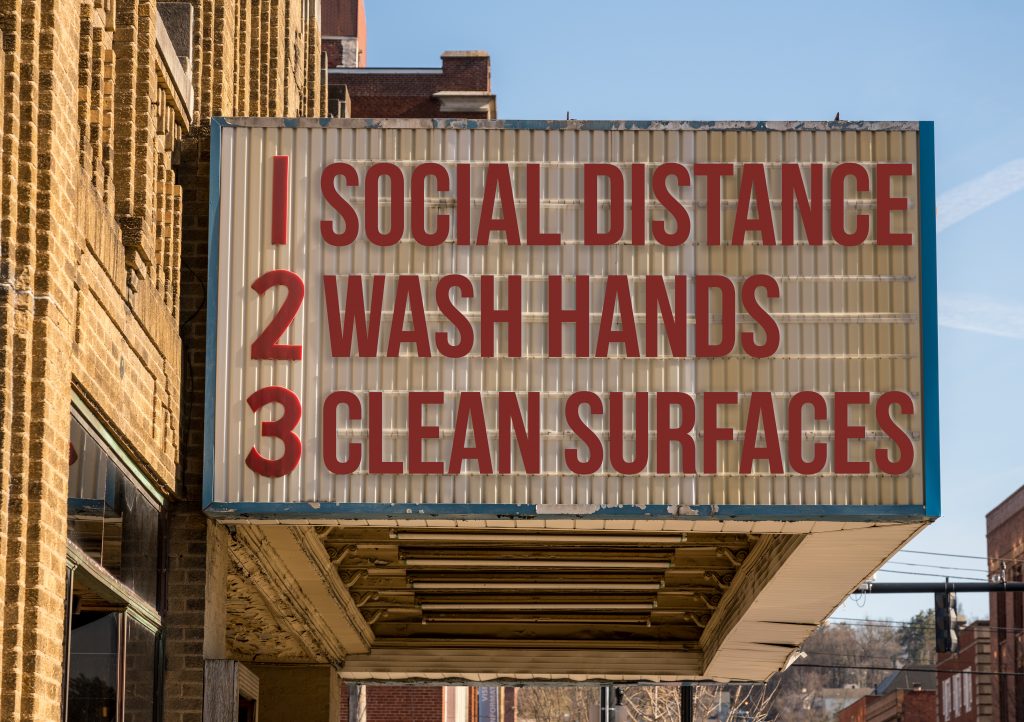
<point x="266" y="345"/>
<point x="283" y="429"/>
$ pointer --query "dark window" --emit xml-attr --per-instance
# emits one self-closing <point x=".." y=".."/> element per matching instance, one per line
<point x="112" y="668"/>
<point x="111" y="518"/>
<point x="92" y="667"/>
<point x="139" y="671"/>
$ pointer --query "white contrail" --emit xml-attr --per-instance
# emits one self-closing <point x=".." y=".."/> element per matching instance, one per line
<point x="982" y="315"/>
<point x="978" y="193"/>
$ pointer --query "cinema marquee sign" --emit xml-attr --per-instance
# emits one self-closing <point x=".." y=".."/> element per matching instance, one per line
<point x="632" y="319"/>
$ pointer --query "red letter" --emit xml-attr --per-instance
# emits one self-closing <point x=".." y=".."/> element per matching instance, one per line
<point x="418" y="432"/>
<point x="470" y="409"/>
<point x="760" y="315"/>
<point x="534" y="236"/>
<point x="408" y="296"/>
<point x="279" y="221"/>
<point x="579" y="317"/>
<point x="282" y="429"/>
<point x="461" y="324"/>
<point x="713" y="433"/>
<point x="904" y="444"/>
<point x="702" y="339"/>
<point x="638" y="204"/>
<point x="656" y="304"/>
<point x="761" y="414"/>
<point x="266" y="345"/>
<point x="376" y="430"/>
<point x="842" y="463"/>
<point x="753" y="185"/>
<point x="618" y="431"/>
<point x="396" y="205"/>
<point x="330" y="432"/>
<point x="367" y="330"/>
<point x="811" y="205"/>
<point x="490" y="316"/>
<point x="510" y="421"/>
<point x="591" y="235"/>
<point x="418" y="202"/>
<point x="498" y="186"/>
<point x="616" y="294"/>
<point x="590" y="440"/>
<point x="335" y="201"/>
<point x="671" y="204"/>
<point x="682" y="434"/>
<point x="463" y="203"/>
<point x="714" y="172"/>
<point x="837" y="197"/>
<point x="886" y="204"/>
<point x="794" y="427"/>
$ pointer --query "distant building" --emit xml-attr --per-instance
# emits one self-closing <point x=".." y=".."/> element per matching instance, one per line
<point x="907" y="695"/>
<point x="832" y="700"/>
<point x="964" y="685"/>
<point x="460" y="88"/>
<point x="1005" y="534"/>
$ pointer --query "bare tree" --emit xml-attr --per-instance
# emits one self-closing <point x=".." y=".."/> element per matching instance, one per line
<point x="650" y="703"/>
<point x="838" y="656"/>
<point x="721" y="703"/>
<point x="557" y="704"/>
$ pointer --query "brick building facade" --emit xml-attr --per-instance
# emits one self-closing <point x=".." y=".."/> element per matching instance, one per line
<point x="104" y="139"/>
<point x="1005" y="534"/>
<point x="898" y="705"/>
<point x="460" y="88"/>
<point x="964" y="680"/>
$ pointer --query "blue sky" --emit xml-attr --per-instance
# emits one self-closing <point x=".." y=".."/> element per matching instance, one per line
<point x="958" y="64"/>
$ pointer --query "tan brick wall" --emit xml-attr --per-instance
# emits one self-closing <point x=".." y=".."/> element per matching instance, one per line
<point x="91" y="275"/>
<point x="40" y="161"/>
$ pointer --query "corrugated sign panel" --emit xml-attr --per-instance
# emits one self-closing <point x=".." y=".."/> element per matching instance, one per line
<point x="850" y="317"/>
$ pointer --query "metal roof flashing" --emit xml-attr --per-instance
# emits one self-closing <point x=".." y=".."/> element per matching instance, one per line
<point x="526" y="124"/>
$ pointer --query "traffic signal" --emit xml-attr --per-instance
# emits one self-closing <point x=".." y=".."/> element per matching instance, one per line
<point x="946" y="623"/>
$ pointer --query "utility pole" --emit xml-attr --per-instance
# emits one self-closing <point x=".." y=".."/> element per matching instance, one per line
<point x="686" y="703"/>
<point x="607" y="703"/>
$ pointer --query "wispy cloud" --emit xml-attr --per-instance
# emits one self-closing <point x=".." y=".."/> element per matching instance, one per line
<point x="978" y="193"/>
<point x="982" y="315"/>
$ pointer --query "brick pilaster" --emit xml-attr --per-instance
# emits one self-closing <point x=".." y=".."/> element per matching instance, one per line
<point x="36" y="295"/>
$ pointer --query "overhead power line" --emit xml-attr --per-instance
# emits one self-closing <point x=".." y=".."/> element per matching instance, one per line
<point x="1017" y="560"/>
<point x="918" y="565"/>
<point x="930" y="670"/>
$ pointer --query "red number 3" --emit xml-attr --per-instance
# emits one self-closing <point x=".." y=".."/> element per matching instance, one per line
<point x="283" y="429"/>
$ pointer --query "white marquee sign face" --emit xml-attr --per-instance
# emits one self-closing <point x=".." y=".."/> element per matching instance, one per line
<point x="630" y="319"/>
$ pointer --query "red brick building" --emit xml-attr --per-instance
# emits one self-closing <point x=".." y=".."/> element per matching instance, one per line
<point x="899" y="705"/>
<point x="964" y="686"/>
<point x="904" y="696"/>
<point x="423" y="703"/>
<point x="1005" y="534"/>
<point x="460" y="88"/>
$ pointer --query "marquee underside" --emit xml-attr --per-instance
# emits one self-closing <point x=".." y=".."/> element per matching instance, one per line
<point x="543" y="600"/>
